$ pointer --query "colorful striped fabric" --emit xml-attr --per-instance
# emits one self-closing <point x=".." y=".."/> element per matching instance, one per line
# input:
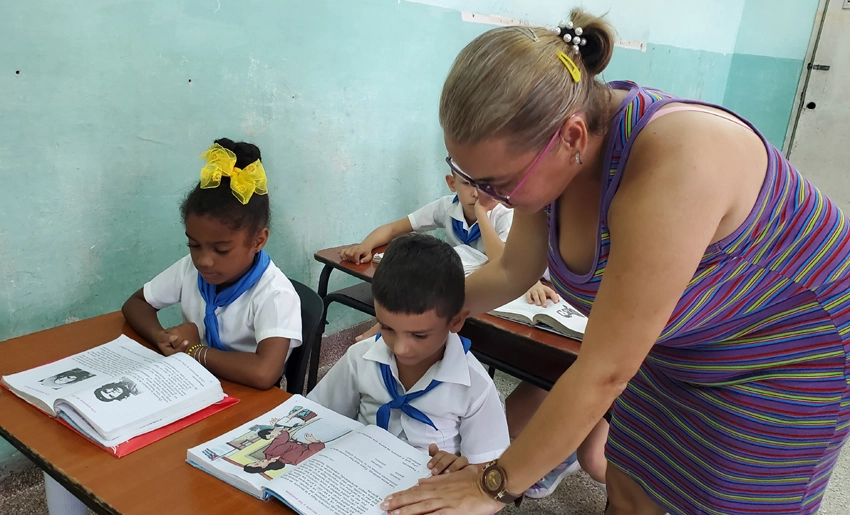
<point x="743" y="404"/>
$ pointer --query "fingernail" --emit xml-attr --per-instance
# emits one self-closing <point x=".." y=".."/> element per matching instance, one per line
<point x="385" y="505"/>
<point x="434" y="471"/>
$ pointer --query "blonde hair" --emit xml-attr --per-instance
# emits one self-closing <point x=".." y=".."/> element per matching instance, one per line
<point x="508" y="83"/>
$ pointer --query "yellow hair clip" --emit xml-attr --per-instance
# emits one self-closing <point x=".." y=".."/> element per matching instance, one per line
<point x="575" y="73"/>
<point x="243" y="182"/>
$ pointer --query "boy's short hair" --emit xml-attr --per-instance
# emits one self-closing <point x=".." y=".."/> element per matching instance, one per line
<point x="419" y="273"/>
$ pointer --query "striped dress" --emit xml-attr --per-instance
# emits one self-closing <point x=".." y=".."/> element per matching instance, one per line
<point x="743" y="403"/>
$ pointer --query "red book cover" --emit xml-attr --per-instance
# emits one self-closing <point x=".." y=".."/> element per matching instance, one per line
<point x="136" y="443"/>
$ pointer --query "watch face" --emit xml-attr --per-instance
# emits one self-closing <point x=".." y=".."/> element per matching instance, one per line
<point x="493" y="480"/>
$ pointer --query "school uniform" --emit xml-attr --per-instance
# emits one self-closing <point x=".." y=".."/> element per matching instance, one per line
<point x="447" y="213"/>
<point x="464" y="408"/>
<point x="270" y="308"/>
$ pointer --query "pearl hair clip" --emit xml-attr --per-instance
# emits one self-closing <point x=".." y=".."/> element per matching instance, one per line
<point x="571" y="35"/>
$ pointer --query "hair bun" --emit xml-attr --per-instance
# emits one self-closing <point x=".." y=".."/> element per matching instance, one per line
<point x="246" y="153"/>
<point x="597" y="53"/>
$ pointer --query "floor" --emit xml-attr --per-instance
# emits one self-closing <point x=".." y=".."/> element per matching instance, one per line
<point x="22" y="492"/>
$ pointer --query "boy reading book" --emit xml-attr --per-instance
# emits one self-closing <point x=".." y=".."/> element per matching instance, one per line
<point x="417" y="378"/>
<point x="468" y="218"/>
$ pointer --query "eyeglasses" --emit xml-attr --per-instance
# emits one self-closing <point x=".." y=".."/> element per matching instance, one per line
<point x="488" y="189"/>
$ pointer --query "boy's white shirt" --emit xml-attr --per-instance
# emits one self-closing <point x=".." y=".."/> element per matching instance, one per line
<point x="465" y="407"/>
<point x="270" y="308"/>
<point x="439" y="214"/>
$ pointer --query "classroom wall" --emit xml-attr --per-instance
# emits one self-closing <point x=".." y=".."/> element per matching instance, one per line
<point x="107" y="104"/>
<point x="769" y="56"/>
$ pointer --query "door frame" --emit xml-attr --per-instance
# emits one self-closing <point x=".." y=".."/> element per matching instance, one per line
<point x="797" y="110"/>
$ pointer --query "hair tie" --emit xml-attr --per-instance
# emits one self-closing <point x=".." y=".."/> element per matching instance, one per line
<point x="572" y="35"/>
<point x="244" y="182"/>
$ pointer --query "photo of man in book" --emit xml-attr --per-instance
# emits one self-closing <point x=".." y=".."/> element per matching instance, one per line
<point x="283" y="450"/>
<point x="116" y="391"/>
<point x="63" y="379"/>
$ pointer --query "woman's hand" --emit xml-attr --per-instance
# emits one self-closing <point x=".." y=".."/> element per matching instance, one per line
<point x="458" y="493"/>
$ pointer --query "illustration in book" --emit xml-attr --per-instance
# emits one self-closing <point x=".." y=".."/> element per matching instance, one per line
<point x="269" y="449"/>
<point x="68" y="377"/>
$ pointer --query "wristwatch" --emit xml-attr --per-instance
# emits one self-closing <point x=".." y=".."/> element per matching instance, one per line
<point x="494" y="481"/>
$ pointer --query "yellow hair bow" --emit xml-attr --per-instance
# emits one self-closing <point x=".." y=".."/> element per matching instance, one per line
<point x="243" y="181"/>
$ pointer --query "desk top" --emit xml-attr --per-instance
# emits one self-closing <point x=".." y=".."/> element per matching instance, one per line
<point x="155" y="479"/>
<point x="363" y="272"/>
<point x="330" y="257"/>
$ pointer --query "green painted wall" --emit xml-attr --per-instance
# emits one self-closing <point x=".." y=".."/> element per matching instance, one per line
<point x="776" y="80"/>
<point x="115" y="100"/>
<point x="770" y="50"/>
<point x="341" y="97"/>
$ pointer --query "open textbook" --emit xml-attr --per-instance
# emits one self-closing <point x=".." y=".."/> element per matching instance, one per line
<point x="472" y="259"/>
<point x="313" y="460"/>
<point x="557" y="317"/>
<point x="121" y="390"/>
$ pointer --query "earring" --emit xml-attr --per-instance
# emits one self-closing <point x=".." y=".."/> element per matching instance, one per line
<point x="578" y="159"/>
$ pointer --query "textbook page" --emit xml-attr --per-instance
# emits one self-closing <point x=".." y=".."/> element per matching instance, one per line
<point x="472" y="259"/>
<point x="560" y="316"/>
<point x="353" y="475"/>
<point x="159" y="392"/>
<point x="43" y="385"/>
<point x="252" y="455"/>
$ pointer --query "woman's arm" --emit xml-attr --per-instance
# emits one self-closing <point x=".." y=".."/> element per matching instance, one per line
<point x="519" y="267"/>
<point x="661" y="222"/>
<point x="665" y="215"/>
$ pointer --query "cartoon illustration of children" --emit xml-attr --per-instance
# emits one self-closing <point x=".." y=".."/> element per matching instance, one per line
<point x="283" y="450"/>
<point x="63" y="379"/>
<point x="116" y="391"/>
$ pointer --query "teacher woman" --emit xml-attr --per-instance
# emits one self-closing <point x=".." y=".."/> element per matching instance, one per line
<point x="715" y="277"/>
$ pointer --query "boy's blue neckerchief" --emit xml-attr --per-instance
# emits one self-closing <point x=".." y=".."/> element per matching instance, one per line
<point x="402" y="402"/>
<point x="467" y="237"/>
<point x="226" y="296"/>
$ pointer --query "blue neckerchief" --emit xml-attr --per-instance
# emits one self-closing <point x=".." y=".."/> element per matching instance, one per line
<point x="226" y="296"/>
<point x="402" y="402"/>
<point x="467" y="237"/>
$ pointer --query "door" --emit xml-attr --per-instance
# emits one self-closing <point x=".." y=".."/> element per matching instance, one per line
<point x="820" y="143"/>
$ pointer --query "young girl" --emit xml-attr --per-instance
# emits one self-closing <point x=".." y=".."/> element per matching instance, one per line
<point x="241" y="315"/>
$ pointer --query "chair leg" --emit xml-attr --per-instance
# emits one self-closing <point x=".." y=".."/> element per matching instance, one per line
<point x="324" y="278"/>
<point x="315" y="354"/>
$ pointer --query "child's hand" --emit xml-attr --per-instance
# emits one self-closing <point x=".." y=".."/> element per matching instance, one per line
<point x="357" y="253"/>
<point x="183" y="336"/>
<point x="483" y="206"/>
<point x="370" y="333"/>
<point x="539" y="293"/>
<point x="164" y="342"/>
<point x="443" y="462"/>
<point x="310" y="438"/>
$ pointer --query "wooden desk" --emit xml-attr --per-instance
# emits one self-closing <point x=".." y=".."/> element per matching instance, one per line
<point x="155" y="479"/>
<point x="531" y="354"/>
